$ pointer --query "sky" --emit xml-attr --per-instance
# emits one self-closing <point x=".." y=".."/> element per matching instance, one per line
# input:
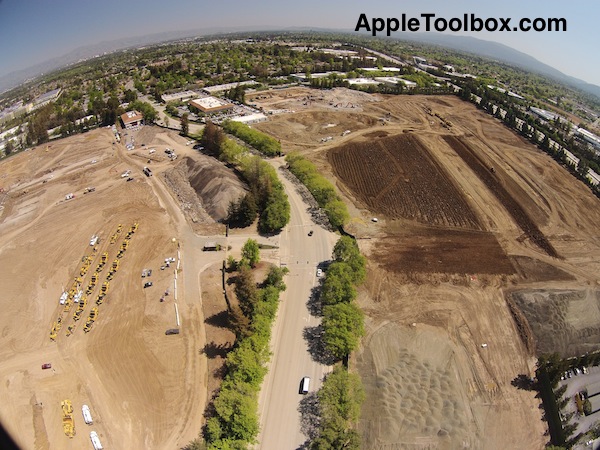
<point x="33" y="31"/>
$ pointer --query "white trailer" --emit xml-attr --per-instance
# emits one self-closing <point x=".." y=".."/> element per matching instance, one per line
<point x="87" y="415"/>
<point x="96" y="441"/>
<point x="94" y="240"/>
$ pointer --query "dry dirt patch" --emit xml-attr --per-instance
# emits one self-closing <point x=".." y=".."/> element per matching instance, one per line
<point x="565" y="321"/>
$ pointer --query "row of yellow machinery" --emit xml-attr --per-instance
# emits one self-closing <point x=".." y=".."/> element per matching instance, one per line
<point x="76" y="294"/>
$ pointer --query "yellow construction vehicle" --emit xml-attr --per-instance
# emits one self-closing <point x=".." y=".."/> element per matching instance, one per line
<point x="68" y="303"/>
<point x="115" y="265"/>
<point x="71" y="329"/>
<point x="104" y="257"/>
<point x="104" y="288"/>
<point x="91" y="319"/>
<point x="53" y="332"/>
<point x="135" y="226"/>
<point x="67" y="418"/>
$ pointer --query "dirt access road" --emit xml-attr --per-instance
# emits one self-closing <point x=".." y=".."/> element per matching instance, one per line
<point x="144" y="389"/>
<point x="454" y="238"/>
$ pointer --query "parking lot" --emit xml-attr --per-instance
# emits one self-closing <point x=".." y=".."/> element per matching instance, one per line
<point x="577" y="383"/>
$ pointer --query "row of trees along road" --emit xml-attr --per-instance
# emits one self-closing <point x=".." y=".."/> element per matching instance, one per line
<point x="320" y="188"/>
<point x="233" y="419"/>
<point x="342" y="394"/>
<point x="343" y="321"/>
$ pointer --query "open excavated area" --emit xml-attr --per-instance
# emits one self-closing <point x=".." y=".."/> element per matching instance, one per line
<point x="482" y="252"/>
<point x="145" y="389"/>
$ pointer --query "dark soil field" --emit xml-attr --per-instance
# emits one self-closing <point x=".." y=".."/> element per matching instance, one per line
<point x="421" y="249"/>
<point x="398" y="177"/>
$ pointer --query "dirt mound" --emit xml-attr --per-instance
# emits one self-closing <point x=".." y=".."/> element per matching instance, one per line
<point x="204" y="187"/>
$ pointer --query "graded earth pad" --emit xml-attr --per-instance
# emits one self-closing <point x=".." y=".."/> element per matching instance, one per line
<point x="467" y="211"/>
<point x="145" y="389"/>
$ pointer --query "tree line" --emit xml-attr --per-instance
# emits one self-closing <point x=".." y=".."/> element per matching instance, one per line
<point x="321" y="189"/>
<point x="265" y="144"/>
<point x="234" y="421"/>
<point x="266" y="197"/>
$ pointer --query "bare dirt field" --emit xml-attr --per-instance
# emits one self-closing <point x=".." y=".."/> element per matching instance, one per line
<point x="479" y="236"/>
<point x="145" y="389"/>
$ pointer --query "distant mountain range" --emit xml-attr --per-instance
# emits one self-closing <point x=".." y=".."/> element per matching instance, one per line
<point x="488" y="49"/>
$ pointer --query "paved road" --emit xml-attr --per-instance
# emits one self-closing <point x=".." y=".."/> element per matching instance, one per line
<point x="279" y="398"/>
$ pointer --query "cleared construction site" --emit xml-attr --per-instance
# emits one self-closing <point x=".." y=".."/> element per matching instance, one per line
<point x="91" y="285"/>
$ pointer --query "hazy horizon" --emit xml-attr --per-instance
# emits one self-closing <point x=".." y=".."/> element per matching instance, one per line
<point x="37" y="31"/>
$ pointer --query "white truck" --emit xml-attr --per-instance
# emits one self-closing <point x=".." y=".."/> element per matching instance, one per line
<point x="96" y="441"/>
<point x="87" y="415"/>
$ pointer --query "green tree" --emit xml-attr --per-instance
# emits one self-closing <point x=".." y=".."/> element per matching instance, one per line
<point x="343" y="325"/>
<point x="245" y="290"/>
<point x="8" y="149"/>
<point x="212" y="138"/>
<point x="338" y="286"/>
<point x="346" y="250"/>
<point x="337" y="213"/>
<point x="276" y="214"/>
<point x="236" y="410"/>
<point x="275" y="277"/>
<point x="185" y="124"/>
<point x="129" y="96"/>
<point x="251" y="252"/>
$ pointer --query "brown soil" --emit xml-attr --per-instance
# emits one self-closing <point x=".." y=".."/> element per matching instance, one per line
<point x="145" y="389"/>
<point x="397" y="176"/>
<point x="436" y="283"/>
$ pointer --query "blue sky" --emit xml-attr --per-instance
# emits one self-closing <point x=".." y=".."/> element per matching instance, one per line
<point x="32" y="31"/>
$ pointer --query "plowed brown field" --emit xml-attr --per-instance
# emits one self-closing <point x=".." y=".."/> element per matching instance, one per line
<point x="398" y="177"/>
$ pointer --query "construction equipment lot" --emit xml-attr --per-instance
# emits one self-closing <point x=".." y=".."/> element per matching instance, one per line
<point x="468" y="216"/>
<point x="147" y="390"/>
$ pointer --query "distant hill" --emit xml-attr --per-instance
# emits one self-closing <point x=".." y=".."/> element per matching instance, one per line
<point x="480" y="47"/>
<point x="499" y="52"/>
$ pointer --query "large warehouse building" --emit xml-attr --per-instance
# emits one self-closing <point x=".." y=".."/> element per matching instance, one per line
<point x="209" y="105"/>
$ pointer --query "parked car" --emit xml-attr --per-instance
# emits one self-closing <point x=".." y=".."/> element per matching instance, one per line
<point x="47" y="366"/>
<point x="310" y="233"/>
<point x="147" y="284"/>
<point x="319" y="272"/>
<point x="304" y="385"/>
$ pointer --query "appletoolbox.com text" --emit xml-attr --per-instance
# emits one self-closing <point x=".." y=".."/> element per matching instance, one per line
<point x="468" y="22"/>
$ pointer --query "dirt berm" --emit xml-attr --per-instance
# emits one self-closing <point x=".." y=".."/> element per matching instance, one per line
<point x="204" y="184"/>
